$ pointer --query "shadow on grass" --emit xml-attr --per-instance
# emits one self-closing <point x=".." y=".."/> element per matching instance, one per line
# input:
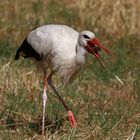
<point x="30" y="127"/>
<point x="51" y="126"/>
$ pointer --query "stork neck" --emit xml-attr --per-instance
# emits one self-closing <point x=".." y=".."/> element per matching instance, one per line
<point x="80" y="54"/>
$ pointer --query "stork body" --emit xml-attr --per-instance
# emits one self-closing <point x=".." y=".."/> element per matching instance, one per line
<point x="60" y="49"/>
<point x="57" y="47"/>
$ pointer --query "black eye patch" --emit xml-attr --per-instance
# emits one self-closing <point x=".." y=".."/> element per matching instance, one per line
<point x="85" y="36"/>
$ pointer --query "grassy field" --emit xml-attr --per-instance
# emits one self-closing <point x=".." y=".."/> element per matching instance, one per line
<point x="104" y="109"/>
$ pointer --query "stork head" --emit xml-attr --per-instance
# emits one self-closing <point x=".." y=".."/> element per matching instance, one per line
<point x="91" y="44"/>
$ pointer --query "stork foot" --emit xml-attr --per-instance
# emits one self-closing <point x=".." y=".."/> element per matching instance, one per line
<point x="71" y="119"/>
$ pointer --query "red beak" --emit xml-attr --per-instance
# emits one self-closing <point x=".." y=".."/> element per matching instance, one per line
<point x="94" y="46"/>
<point x="95" y="41"/>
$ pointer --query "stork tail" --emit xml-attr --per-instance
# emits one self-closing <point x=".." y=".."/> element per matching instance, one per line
<point x="17" y="55"/>
<point x="26" y="50"/>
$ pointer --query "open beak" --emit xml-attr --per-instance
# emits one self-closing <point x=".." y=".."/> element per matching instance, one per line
<point x="94" y="46"/>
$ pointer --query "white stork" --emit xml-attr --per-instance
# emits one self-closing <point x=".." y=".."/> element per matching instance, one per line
<point x="60" y="49"/>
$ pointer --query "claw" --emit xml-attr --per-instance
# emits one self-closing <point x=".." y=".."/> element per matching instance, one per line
<point x="71" y="119"/>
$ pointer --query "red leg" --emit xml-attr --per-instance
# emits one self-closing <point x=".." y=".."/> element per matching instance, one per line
<point x="71" y="119"/>
<point x="44" y="99"/>
<point x="70" y="114"/>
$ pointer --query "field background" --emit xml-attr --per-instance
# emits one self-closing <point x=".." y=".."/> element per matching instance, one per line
<point x="104" y="109"/>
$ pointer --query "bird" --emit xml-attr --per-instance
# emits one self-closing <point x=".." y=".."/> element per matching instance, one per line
<point x="59" y="49"/>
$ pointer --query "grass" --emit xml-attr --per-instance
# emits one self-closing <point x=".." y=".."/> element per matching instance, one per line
<point x="104" y="108"/>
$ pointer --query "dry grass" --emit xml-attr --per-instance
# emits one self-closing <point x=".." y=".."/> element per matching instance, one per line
<point x="112" y="16"/>
<point x="104" y="109"/>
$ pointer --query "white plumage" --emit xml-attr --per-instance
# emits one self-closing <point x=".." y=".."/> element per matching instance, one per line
<point x="57" y="44"/>
<point x="61" y="49"/>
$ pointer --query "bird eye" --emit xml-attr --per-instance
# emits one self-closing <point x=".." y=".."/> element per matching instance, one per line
<point x="85" y="36"/>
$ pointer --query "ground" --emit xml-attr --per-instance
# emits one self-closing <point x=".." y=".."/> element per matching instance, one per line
<point x="104" y="109"/>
